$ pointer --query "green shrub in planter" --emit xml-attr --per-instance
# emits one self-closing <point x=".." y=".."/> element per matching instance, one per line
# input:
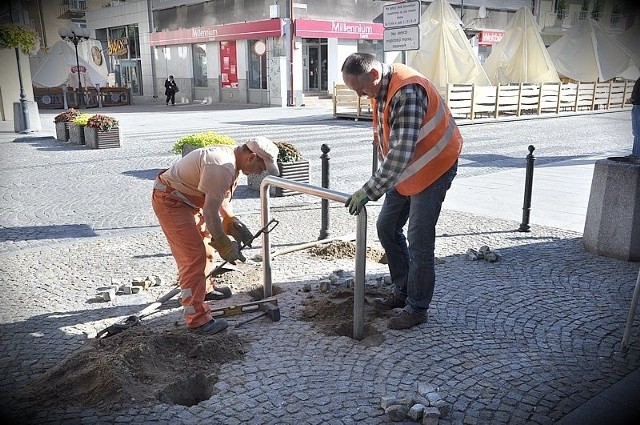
<point x="288" y="152"/>
<point x="200" y="140"/>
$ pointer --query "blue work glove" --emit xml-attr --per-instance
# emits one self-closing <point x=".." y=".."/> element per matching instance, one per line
<point x="356" y="201"/>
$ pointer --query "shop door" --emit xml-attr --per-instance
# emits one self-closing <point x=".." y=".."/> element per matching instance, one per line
<point x="315" y="65"/>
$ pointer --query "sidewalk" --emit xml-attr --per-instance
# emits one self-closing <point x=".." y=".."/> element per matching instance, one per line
<point x="531" y="339"/>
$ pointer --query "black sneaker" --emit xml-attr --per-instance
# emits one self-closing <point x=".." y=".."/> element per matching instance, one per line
<point x="219" y="293"/>
<point x="211" y="327"/>
<point x="384" y="305"/>
<point x="406" y="320"/>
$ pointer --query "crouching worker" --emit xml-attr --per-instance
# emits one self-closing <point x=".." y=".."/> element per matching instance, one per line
<point x="191" y="200"/>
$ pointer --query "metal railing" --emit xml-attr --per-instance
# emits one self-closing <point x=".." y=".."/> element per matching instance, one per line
<point x="361" y="242"/>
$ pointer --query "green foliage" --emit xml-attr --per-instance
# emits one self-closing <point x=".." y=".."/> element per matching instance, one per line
<point x="66" y="116"/>
<point x="81" y="120"/>
<point x="288" y="152"/>
<point x="18" y="35"/>
<point x="200" y="140"/>
<point x="102" y="122"/>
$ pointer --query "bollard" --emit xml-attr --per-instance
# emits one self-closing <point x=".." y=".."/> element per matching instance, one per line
<point x="528" y="184"/>
<point x="324" y="226"/>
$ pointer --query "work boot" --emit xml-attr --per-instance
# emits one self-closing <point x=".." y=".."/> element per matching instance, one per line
<point x="406" y="320"/>
<point x="211" y="327"/>
<point x="218" y="293"/>
<point x="382" y="305"/>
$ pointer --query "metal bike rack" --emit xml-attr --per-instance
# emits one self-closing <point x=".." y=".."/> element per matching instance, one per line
<point x="361" y="241"/>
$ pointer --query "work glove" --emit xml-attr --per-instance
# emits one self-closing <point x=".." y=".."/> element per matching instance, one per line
<point x="356" y="201"/>
<point x="228" y="250"/>
<point x="240" y="232"/>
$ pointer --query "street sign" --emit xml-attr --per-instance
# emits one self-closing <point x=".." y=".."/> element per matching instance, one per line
<point x="401" y="14"/>
<point x="398" y="39"/>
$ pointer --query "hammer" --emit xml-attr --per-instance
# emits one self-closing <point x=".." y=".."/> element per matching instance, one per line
<point x="269" y="309"/>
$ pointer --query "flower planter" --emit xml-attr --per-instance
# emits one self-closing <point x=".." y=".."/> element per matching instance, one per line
<point x="62" y="131"/>
<point x="296" y="171"/>
<point x="97" y="139"/>
<point x="76" y="134"/>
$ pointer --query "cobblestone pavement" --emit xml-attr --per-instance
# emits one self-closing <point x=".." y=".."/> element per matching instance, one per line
<point x="524" y="340"/>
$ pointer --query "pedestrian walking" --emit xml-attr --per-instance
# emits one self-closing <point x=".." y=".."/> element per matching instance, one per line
<point x="192" y="201"/>
<point x="418" y="144"/>
<point x="170" y="90"/>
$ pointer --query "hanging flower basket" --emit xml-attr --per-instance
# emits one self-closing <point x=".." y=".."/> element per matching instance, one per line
<point x="292" y="167"/>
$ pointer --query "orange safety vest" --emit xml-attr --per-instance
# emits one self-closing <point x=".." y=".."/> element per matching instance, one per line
<point x="439" y="141"/>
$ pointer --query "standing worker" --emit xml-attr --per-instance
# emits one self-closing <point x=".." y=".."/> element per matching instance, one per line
<point x="419" y="144"/>
<point x="170" y="90"/>
<point x="192" y="202"/>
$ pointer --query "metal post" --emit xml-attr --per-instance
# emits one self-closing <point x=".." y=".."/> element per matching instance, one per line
<point x="324" y="223"/>
<point x="528" y="184"/>
<point x="23" y="99"/>
<point x="75" y="42"/>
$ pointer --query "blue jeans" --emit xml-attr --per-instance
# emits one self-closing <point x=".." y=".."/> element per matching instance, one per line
<point x="412" y="265"/>
<point x="635" y="128"/>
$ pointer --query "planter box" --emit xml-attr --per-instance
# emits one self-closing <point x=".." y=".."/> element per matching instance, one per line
<point x="62" y="131"/>
<point x="76" y="134"/>
<point x="296" y="171"/>
<point x="188" y="148"/>
<point x="96" y="139"/>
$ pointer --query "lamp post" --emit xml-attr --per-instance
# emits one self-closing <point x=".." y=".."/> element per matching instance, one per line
<point x="76" y="35"/>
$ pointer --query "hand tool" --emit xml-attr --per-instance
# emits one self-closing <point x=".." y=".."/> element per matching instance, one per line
<point x="266" y="229"/>
<point x="249" y="307"/>
<point x="268" y="309"/>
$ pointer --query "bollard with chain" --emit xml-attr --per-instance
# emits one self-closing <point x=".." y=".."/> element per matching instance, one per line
<point x="324" y="227"/>
<point x="528" y="184"/>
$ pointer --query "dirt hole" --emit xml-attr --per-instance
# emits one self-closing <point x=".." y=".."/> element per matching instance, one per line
<point x="137" y="367"/>
<point x="188" y="392"/>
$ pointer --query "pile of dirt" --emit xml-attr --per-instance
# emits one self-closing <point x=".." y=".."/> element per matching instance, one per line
<point x="342" y="249"/>
<point x="135" y="367"/>
<point x="332" y="313"/>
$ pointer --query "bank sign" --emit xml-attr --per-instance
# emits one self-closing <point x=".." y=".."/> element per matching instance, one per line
<point x="237" y="31"/>
<point x="315" y="28"/>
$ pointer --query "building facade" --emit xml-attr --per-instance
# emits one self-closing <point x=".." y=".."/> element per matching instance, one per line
<point x="272" y="52"/>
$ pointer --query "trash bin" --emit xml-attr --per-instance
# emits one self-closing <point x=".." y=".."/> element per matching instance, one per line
<point x="34" y="117"/>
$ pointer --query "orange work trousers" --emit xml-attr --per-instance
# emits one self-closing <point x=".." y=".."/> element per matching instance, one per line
<point x="188" y="237"/>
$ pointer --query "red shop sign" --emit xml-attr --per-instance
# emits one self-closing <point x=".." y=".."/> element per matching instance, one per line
<point x="490" y="37"/>
<point x="313" y="28"/>
<point x="237" y="31"/>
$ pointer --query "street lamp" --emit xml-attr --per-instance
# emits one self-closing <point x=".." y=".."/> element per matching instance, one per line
<point x="76" y="35"/>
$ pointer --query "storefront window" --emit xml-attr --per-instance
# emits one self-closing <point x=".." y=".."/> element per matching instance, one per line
<point x="200" y="65"/>
<point x="228" y="64"/>
<point x="257" y="67"/>
<point x="375" y="47"/>
<point x="123" y="49"/>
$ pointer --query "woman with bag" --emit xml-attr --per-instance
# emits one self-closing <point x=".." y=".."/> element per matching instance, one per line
<point x="170" y="90"/>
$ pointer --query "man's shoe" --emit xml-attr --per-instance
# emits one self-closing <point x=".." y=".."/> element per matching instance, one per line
<point x="219" y="293"/>
<point x="211" y="327"/>
<point x="406" y="320"/>
<point x="382" y="305"/>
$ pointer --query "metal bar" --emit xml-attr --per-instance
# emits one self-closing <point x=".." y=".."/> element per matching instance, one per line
<point x="631" y="315"/>
<point x="361" y="241"/>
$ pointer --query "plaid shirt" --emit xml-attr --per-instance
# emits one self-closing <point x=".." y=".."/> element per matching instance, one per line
<point x="407" y="109"/>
